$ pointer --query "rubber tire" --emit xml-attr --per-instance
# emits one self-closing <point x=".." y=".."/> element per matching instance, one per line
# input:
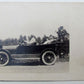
<point x="8" y="58"/>
<point x="43" y="60"/>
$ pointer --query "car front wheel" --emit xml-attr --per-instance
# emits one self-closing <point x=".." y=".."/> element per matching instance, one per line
<point x="4" y="58"/>
<point x="49" y="58"/>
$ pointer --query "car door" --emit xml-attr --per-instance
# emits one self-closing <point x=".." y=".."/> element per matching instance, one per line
<point x="20" y="50"/>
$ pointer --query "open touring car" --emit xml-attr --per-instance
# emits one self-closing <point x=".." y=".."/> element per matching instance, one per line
<point x="47" y="53"/>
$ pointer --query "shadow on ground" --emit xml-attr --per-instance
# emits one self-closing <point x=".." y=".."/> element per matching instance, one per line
<point x="34" y="62"/>
<point x="29" y="63"/>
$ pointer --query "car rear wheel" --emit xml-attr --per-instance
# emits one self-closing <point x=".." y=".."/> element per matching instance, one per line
<point x="4" y="58"/>
<point x="49" y="58"/>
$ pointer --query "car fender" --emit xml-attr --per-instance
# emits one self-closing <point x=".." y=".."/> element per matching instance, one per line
<point x="47" y="49"/>
<point x="6" y="52"/>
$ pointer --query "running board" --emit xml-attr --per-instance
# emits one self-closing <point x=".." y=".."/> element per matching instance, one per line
<point x="26" y="58"/>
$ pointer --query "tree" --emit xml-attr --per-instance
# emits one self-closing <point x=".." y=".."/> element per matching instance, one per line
<point x="1" y="42"/>
<point x="25" y="38"/>
<point x="21" y="39"/>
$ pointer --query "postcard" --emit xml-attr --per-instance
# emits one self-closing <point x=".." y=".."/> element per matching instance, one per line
<point x="41" y="41"/>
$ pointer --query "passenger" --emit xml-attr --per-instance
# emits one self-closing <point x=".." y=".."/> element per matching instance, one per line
<point x="31" y="42"/>
<point x="62" y="33"/>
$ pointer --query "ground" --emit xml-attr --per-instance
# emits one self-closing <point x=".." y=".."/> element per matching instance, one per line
<point x="61" y="65"/>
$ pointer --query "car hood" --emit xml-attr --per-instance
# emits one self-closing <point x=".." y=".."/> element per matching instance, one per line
<point x="10" y="47"/>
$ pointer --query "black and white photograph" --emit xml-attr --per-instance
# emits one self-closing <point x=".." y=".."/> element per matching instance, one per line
<point x="46" y="49"/>
<point x="32" y="38"/>
<point x="35" y="39"/>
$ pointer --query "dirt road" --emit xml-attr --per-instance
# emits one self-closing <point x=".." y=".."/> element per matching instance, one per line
<point x="35" y="67"/>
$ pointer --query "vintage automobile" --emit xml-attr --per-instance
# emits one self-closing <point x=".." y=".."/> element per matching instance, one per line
<point x="46" y="53"/>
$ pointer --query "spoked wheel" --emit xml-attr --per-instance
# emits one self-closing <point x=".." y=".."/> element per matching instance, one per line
<point x="4" y="58"/>
<point x="49" y="58"/>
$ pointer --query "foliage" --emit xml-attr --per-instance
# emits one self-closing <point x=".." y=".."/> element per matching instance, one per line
<point x="62" y="34"/>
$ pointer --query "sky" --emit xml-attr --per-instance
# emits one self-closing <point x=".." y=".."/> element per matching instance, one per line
<point x="35" y="18"/>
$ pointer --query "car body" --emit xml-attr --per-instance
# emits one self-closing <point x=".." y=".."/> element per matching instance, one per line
<point x="46" y="53"/>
